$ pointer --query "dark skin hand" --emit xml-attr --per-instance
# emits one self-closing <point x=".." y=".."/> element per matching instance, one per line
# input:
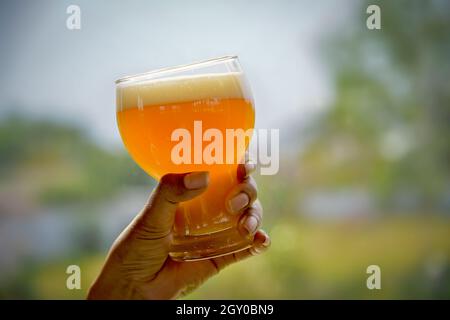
<point x="138" y="265"/>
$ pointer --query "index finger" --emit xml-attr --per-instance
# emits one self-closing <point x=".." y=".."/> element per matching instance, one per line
<point x="245" y="169"/>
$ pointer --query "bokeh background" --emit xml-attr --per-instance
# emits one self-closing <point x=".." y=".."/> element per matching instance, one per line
<point x="364" y="118"/>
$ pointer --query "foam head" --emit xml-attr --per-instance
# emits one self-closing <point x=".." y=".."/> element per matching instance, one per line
<point x="156" y="92"/>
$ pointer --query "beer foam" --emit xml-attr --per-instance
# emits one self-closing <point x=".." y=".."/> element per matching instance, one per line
<point x="140" y="93"/>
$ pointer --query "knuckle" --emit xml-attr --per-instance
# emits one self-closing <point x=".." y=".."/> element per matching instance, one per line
<point x="251" y="190"/>
<point x="258" y="207"/>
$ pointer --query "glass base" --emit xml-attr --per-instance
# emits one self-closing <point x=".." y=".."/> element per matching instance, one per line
<point x="193" y="248"/>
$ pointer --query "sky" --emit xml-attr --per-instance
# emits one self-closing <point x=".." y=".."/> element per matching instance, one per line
<point x="51" y="71"/>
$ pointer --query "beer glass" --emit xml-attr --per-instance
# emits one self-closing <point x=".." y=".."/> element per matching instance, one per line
<point x="194" y="105"/>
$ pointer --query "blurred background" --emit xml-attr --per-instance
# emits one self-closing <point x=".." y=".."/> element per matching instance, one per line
<point x="364" y="119"/>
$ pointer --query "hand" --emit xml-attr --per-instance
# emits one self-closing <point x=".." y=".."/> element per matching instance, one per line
<point x="138" y="265"/>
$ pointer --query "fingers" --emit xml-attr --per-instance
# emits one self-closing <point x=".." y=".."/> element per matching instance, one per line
<point x="250" y="220"/>
<point x="244" y="170"/>
<point x="242" y="196"/>
<point x="174" y="188"/>
<point x="158" y="215"/>
<point x="261" y="243"/>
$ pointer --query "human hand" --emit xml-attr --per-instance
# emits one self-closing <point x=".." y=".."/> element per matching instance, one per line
<point x="138" y="265"/>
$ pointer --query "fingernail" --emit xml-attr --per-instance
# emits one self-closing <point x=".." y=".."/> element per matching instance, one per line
<point x="251" y="224"/>
<point x="266" y="242"/>
<point x="196" y="180"/>
<point x="238" y="202"/>
<point x="249" y="167"/>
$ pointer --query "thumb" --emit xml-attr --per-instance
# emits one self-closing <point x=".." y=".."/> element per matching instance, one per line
<point x="157" y="217"/>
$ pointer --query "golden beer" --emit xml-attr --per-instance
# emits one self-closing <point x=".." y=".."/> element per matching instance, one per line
<point x="149" y="111"/>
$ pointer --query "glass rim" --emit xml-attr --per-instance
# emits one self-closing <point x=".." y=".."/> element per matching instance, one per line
<point x="145" y="75"/>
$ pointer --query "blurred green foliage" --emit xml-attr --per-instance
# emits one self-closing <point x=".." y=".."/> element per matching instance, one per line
<point x="63" y="164"/>
<point x="388" y="130"/>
